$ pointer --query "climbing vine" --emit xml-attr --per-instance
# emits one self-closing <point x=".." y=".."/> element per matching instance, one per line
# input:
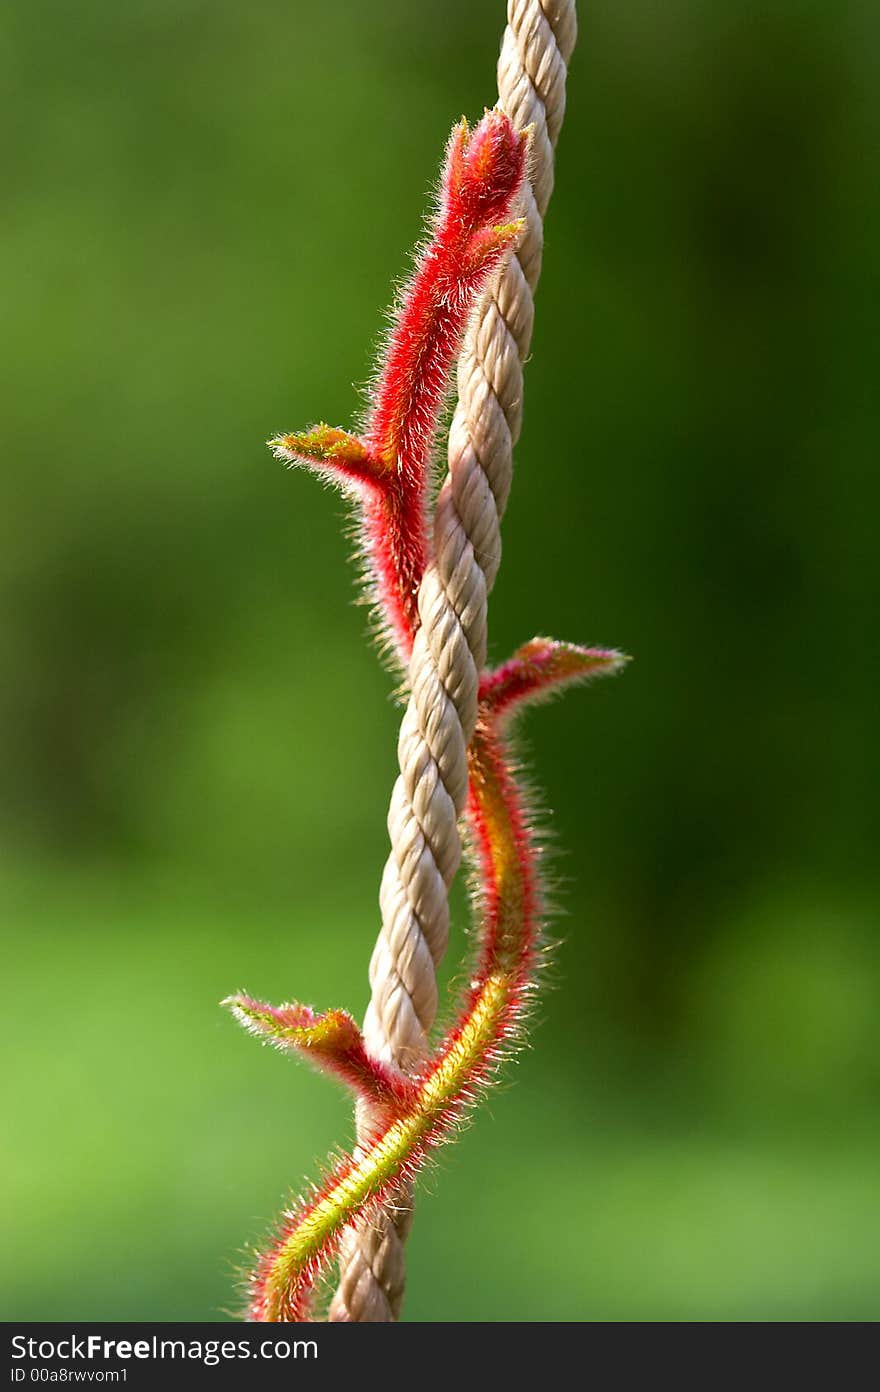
<point x="411" y="1103"/>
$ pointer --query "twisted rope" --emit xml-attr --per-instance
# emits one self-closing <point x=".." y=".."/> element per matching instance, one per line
<point x="450" y="645"/>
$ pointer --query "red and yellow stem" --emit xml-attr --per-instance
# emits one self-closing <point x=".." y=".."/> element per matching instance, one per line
<point x="431" y="1104"/>
<point x="284" y="1280"/>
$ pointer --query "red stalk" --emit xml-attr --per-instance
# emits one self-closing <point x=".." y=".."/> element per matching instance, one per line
<point x="388" y="469"/>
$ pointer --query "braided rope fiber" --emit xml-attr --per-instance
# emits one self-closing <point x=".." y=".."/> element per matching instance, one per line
<point x="450" y="644"/>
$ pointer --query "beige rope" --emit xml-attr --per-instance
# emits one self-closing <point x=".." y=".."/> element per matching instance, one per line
<point x="450" y="645"/>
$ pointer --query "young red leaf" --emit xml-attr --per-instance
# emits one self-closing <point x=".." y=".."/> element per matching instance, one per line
<point x="331" y="1041"/>
<point x="541" y="667"/>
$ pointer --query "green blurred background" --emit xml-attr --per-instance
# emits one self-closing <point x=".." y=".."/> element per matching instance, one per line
<point x="205" y="206"/>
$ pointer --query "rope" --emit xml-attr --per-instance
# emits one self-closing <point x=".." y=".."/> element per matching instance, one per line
<point x="450" y="644"/>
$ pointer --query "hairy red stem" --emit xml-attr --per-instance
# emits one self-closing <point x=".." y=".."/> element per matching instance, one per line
<point x="388" y="469"/>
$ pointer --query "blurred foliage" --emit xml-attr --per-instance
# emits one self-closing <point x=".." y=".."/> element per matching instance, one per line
<point x="205" y="206"/>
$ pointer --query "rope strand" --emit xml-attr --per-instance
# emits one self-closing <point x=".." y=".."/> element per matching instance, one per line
<point x="450" y="646"/>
